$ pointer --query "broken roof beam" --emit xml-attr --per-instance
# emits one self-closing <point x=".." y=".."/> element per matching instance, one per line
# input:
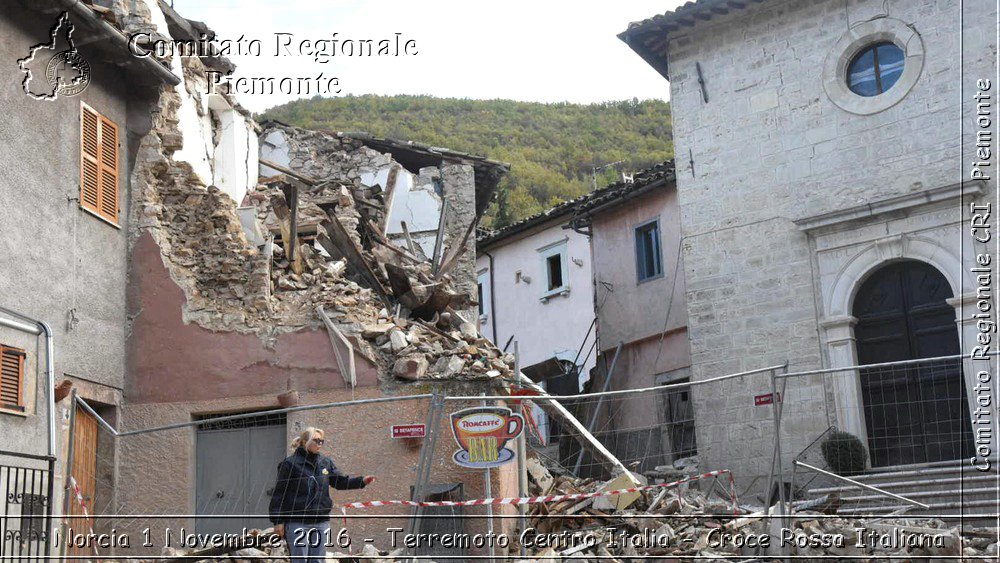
<point x="335" y="240"/>
<point x="553" y="407"/>
<point x="289" y="236"/>
<point x="439" y="241"/>
<point x="291" y="191"/>
<point x="457" y="252"/>
<point x="338" y="341"/>
<point x="289" y="172"/>
<point x="408" y="238"/>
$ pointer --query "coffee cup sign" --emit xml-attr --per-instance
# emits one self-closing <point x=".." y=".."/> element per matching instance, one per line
<point x="482" y="433"/>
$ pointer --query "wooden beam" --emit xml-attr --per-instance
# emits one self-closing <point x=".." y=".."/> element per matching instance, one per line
<point x="575" y="427"/>
<point x="439" y="241"/>
<point x="291" y="191"/>
<point x="457" y="251"/>
<point x="284" y="215"/>
<point x="338" y="341"/>
<point x="335" y="240"/>
<point x="409" y="239"/>
<point x="307" y="179"/>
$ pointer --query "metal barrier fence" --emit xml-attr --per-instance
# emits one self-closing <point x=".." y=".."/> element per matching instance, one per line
<point x="889" y="439"/>
<point x="218" y="473"/>
<point x="176" y="484"/>
<point x="26" y="490"/>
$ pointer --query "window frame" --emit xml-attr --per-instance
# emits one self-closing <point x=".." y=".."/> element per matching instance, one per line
<point x="876" y="67"/>
<point x="860" y="37"/>
<point x="483" y="281"/>
<point x="103" y="123"/>
<point x="21" y="407"/>
<point x="659" y="250"/>
<point x="560" y="248"/>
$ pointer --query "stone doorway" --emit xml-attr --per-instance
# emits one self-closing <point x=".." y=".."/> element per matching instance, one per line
<point x="916" y="413"/>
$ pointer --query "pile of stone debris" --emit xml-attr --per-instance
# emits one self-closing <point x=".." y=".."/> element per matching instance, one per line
<point x="692" y="521"/>
<point x="400" y="308"/>
<point x="698" y="520"/>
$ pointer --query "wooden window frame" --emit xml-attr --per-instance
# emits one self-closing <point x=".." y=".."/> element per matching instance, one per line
<point x="657" y="253"/>
<point x="98" y="172"/>
<point x="21" y="406"/>
<point x="558" y="248"/>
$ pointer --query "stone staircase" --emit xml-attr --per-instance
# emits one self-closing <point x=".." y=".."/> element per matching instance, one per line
<point x="947" y="487"/>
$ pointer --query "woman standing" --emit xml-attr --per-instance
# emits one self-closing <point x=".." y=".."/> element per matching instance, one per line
<point x="300" y="505"/>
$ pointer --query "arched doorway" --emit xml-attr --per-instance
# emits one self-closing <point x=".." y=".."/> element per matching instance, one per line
<point x="913" y="414"/>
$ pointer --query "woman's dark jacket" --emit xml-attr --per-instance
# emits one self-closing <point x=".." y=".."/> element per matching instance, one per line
<point x="302" y="492"/>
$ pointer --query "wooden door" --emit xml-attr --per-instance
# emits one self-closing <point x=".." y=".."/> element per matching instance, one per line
<point x="84" y="473"/>
<point x="917" y="413"/>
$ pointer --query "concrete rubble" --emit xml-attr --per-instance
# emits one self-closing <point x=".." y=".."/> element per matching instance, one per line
<point x="687" y="521"/>
<point x="696" y="520"/>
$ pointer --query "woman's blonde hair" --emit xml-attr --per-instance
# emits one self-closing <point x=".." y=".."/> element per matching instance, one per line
<point x="305" y="436"/>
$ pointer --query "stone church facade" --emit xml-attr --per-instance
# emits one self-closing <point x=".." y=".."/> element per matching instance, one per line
<point x="806" y="205"/>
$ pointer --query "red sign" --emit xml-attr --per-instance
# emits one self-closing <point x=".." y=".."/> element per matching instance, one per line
<point x="409" y="430"/>
<point x="765" y="399"/>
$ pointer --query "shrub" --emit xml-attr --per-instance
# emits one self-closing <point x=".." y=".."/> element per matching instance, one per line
<point x="844" y="453"/>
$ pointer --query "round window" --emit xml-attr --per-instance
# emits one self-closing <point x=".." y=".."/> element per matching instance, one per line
<point x="873" y="66"/>
<point x="875" y="69"/>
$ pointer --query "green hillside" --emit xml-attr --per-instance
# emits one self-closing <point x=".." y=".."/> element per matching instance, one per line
<point x="551" y="147"/>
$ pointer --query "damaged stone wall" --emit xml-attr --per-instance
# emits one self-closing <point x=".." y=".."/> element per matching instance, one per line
<point x="233" y="285"/>
<point x="257" y="271"/>
<point x="197" y="228"/>
<point x="459" y="191"/>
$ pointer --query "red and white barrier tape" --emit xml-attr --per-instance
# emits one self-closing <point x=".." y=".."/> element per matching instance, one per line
<point x="552" y="498"/>
<point x="83" y="505"/>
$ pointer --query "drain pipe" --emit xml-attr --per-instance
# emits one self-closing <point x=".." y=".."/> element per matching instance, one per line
<point x="36" y="327"/>
<point x="493" y="303"/>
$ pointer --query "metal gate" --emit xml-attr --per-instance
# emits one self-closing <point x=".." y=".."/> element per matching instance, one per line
<point x="237" y="464"/>
<point x="26" y="486"/>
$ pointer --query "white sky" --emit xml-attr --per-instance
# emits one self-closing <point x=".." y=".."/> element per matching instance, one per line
<point x="539" y="50"/>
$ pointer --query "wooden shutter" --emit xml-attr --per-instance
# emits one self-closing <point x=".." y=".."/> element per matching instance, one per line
<point x="11" y="378"/>
<point x="98" y="164"/>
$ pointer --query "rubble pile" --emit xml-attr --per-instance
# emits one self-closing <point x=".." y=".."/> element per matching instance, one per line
<point x="383" y="295"/>
<point x="698" y="521"/>
<point x="403" y="311"/>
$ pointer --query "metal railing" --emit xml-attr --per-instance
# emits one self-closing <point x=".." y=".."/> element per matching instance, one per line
<point x="26" y="488"/>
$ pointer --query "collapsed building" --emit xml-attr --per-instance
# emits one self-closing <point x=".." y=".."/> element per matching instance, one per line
<point x="313" y="291"/>
<point x="339" y="270"/>
<point x="344" y="275"/>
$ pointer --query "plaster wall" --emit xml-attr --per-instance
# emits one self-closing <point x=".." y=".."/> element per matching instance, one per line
<point x="630" y="310"/>
<point x="648" y="318"/>
<point x="59" y="263"/>
<point x="158" y="470"/>
<point x="235" y="156"/>
<point x="543" y="329"/>
<point x="770" y="147"/>
<point x="219" y="142"/>
<point x="415" y="201"/>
